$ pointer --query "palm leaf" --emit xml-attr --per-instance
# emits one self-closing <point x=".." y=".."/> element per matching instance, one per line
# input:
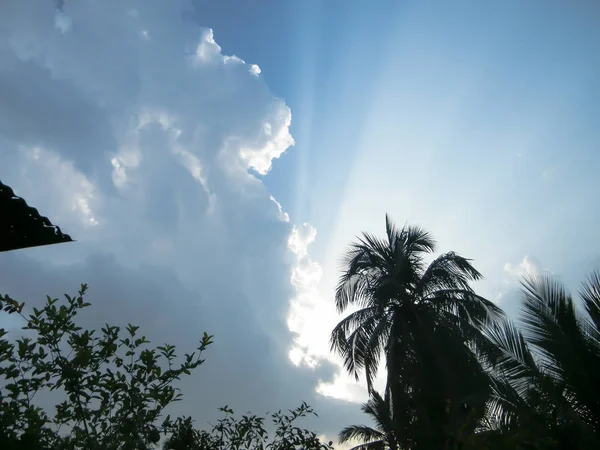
<point x="568" y="356"/>
<point x="379" y="410"/>
<point x="371" y="438"/>
<point x="466" y="305"/>
<point x="359" y="432"/>
<point x="417" y="240"/>
<point x="590" y="295"/>
<point x="551" y="325"/>
<point x="448" y="271"/>
<point x="509" y="354"/>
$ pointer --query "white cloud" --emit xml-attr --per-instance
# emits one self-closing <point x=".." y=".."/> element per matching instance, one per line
<point x="255" y="70"/>
<point x="530" y="266"/>
<point x="209" y="51"/>
<point x="143" y="151"/>
<point x="282" y="214"/>
<point x="305" y="317"/>
<point x="344" y="387"/>
<point x="312" y="318"/>
<point x="508" y="294"/>
<point x="300" y="239"/>
<point x="78" y="204"/>
<point x="274" y="139"/>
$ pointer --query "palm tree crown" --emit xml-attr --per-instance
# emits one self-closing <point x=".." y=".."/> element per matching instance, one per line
<point x="396" y="293"/>
<point x="425" y="319"/>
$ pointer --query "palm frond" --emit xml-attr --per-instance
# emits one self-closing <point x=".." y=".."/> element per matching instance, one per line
<point x="364" y="263"/>
<point x="379" y="410"/>
<point x="352" y="289"/>
<point x="505" y="406"/>
<point x="417" y="240"/>
<point x="353" y="321"/>
<point x="371" y="438"/>
<point x="376" y="251"/>
<point x="391" y="230"/>
<point x="550" y="322"/>
<point x="568" y="357"/>
<point x="466" y="305"/>
<point x="355" y="338"/>
<point x="449" y="271"/>
<point x="590" y="295"/>
<point x="373" y="445"/>
<point x="361" y="433"/>
<point x="378" y="340"/>
<point x="509" y="355"/>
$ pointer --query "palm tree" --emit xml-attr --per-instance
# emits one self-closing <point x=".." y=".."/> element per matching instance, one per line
<point x="547" y="375"/>
<point x="380" y="438"/>
<point x="422" y="318"/>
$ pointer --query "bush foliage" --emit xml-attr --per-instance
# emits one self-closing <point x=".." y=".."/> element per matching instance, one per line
<point x="113" y="389"/>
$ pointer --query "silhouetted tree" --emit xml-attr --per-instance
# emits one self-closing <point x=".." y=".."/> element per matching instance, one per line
<point x="425" y="319"/>
<point x="546" y="368"/>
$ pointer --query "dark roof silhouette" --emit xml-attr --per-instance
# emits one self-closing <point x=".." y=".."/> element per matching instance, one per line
<point x="22" y="226"/>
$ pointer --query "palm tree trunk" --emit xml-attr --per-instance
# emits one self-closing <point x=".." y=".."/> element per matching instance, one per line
<point x="394" y="394"/>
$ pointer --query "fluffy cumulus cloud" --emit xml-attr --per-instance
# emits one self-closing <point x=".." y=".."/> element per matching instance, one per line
<point x="126" y="125"/>
<point x="312" y="318"/>
<point x="309" y="314"/>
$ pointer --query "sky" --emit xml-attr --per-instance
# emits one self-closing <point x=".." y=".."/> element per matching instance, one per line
<point x="213" y="159"/>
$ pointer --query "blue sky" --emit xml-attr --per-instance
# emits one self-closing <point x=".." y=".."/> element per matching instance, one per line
<point x="132" y="126"/>
<point x="322" y="58"/>
<point x="476" y="85"/>
<point x="491" y="110"/>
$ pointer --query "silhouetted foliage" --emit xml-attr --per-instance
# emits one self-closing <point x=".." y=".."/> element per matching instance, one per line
<point x="249" y="432"/>
<point x="532" y="384"/>
<point x="546" y="368"/>
<point x="114" y="389"/>
<point x="425" y="319"/>
<point x="22" y="226"/>
<point x="380" y="438"/>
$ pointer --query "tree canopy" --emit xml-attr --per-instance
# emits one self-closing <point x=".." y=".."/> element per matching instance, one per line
<point x="460" y="374"/>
